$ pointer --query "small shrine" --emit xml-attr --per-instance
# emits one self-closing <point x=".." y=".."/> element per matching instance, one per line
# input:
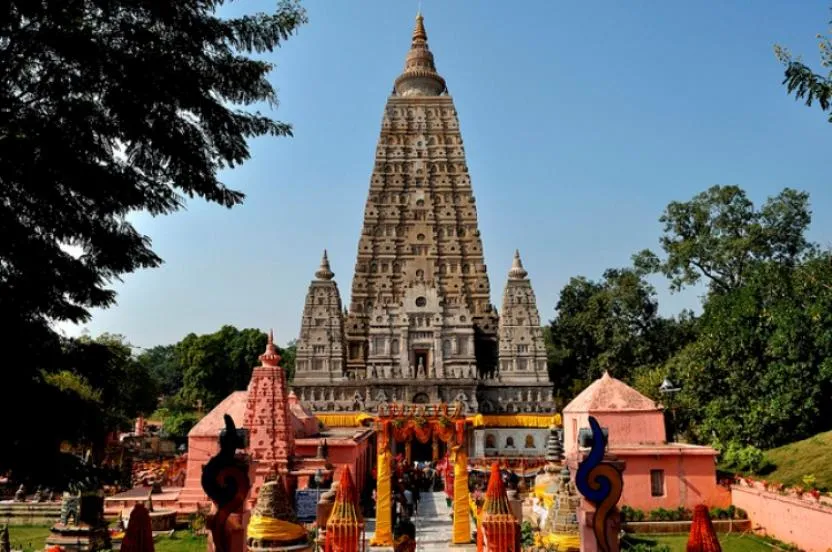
<point x="82" y="526"/>
<point x="499" y="529"/>
<point x="273" y="526"/>
<point x="345" y="526"/>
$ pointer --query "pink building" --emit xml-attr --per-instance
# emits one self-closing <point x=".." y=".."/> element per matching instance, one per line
<point x="284" y="438"/>
<point x="658" y="474"/>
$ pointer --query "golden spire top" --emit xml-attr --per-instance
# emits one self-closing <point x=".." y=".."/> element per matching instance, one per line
<point x="419" y="77"/>
<point x="419" y="30"/>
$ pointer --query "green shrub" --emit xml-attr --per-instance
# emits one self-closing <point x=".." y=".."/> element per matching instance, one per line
<point x="527" y="534"/>
<point x="632" y="514"/>
<point x="745" y="459"/>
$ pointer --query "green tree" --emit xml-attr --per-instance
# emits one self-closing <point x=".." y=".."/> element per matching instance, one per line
<point x="609" y="325"/>
<point x="719" y="234"/>
<point x="287" y="358"/>
<point x="161" y="364"/>
<point x="760" y="371"/>
<point x="108" y="108"/>
<point x="803" y="82"/>
<point x="214" y="365"/>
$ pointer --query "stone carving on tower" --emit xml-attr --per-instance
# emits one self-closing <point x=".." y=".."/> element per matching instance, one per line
<point x="320" y="349"/>
<point x="522" y="350"/>
<point x="420" y="326"/>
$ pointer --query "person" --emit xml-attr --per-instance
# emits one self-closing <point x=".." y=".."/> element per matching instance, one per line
<point x="408" y="499"/>
<point x="416" y="496"/>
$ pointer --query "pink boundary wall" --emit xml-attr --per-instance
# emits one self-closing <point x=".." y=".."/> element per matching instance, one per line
<point x="789" y="519"/>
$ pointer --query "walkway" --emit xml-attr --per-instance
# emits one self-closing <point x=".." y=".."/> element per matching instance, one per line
<point x="434" y="525"/>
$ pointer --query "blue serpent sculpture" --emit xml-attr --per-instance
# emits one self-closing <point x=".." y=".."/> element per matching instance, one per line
<point x="601" y="484"/>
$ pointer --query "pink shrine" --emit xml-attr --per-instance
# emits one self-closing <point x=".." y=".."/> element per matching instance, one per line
<point x="284" y="438"/>
<point x="659" y="474"/>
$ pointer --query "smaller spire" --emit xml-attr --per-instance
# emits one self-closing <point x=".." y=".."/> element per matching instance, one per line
<point x="324" y="272"/>
<point x="517" y="272"/>
<point x="270" y="356"/>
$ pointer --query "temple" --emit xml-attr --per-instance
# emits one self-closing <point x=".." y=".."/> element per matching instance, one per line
<point x="420" y="326"/>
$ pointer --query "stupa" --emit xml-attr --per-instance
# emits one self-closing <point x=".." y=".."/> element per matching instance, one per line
<point x="561" y="526"/>
<point x="420" y="327"/>
<point x="273" y="526"/>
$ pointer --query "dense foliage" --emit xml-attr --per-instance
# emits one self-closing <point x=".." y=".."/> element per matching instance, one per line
<point x="609" y="325"/>
<point x="755" y="368"/>
<point x="107" y="107"/>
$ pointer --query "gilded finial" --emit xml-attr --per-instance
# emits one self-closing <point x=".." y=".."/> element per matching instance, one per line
<point x="419" y="32"/>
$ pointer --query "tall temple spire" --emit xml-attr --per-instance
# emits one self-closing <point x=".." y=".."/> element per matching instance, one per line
<point x="324" y="272"/>
<point x="517" y="272"/>
<point x="419" y="77"/>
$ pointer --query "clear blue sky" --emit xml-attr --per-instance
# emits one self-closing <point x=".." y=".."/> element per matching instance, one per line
<point x="581" y="121"/>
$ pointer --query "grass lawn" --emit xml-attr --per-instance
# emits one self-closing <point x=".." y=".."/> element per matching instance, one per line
<point x="33" y="539"/>
<point x="731" y="542"/>
<point x="796" y="460"/>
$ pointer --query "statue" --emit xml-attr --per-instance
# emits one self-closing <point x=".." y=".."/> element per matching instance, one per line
<point x="372" y="372"/>
<point x="5" y="544"/>
<point x="38" y="495"/>
<point x="70" y="508"/>
<point x="420" y="367"/>
<point x="413" y="370"/>
<point x="225" y="481"/>
<point x="367" y="397"/>
<point x="20" y="495"/>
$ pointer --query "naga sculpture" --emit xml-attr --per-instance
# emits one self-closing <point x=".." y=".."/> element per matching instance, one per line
<point x="225" y="481"/>
<point x="601" y="484"/>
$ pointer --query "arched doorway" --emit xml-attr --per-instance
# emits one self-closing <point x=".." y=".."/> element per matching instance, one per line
<point x="421" y="398"/>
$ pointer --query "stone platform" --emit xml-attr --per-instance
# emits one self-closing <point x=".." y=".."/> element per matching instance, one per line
<point x="30" y="513"/>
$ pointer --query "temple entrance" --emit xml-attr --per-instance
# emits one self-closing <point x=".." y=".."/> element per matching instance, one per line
<point x="410" y="433"/>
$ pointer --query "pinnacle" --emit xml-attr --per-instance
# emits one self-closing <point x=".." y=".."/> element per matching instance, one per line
<point x="270" y="356"/>
<point x="419" y="77"/>
<point x="324" y="272"/>
<point x="517" y="272"/>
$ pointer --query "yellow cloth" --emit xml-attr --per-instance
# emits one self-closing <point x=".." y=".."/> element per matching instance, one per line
<point x="270" y="529"/>
<point x="539" y="421"/>
<point x="343" y="420"/>
<point x="462" y="513"/>
<point x="384" y="519"/>
<point x="566" y="543"/>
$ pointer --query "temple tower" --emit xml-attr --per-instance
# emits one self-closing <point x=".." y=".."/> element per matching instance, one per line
<point x="320" y="349"/>
<point x="420" y="303"/>
<point x="420" y="326"/>
<point x="271" y="438"/>
<point x="522" y="351"/>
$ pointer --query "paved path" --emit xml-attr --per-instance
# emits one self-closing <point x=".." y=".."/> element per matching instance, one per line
<point x="434" y="525"/>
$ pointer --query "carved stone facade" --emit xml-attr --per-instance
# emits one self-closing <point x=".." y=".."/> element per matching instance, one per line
<point x="522" y="350"/>
<point x="420" y="327"/>
<point x="320" y="349"/>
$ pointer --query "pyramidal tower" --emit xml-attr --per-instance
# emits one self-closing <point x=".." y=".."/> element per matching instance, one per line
<point x="420" y="326"/>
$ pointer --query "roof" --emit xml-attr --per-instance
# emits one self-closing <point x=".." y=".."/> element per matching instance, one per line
<point x="607" y="394"/>
<point x="210" y="426"/>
